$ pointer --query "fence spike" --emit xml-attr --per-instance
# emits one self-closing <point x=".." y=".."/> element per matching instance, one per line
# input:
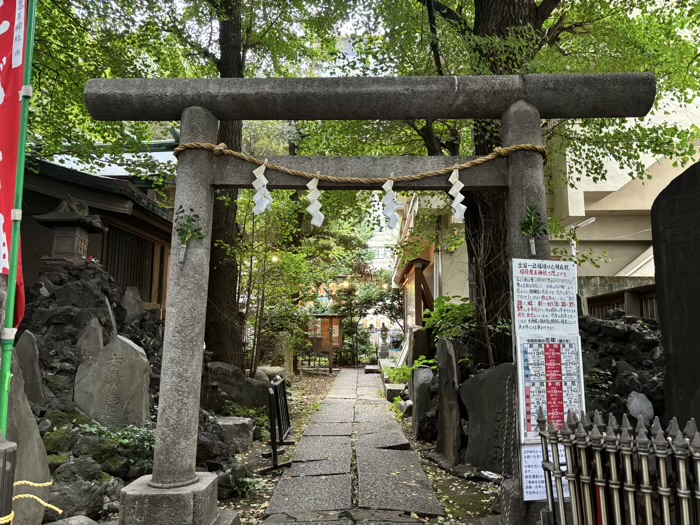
<point x="581" y="433"/>
<point x="679" y="442"/>
<point x="673" y="429"/>
<point x="625" y="438"/>
<point x="598" y="420"/>
<point x="610" y="436"/>
<point x="541" y="419"/>
<point x="642" y="439"/>
<point x="690" y="429"/>
<point x="570" y="419"/>
<point x="626" y="422"/>
<point x="655" y="426"/>
<point x="565" y="429"/>
<point x="612" y="423"/>
<point x="660" y="443"/>
<point x="596" y="435"/>
<point x="585" y="421"/>
<point x="640" y="425"/>
<point x="696" y="442"/>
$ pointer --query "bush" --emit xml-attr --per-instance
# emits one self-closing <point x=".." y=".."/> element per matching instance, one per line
<point x="140" y="440"/>
<point x="402" y="374"/>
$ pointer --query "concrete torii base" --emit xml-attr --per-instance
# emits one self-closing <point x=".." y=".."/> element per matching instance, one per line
<point x="193" y="504"/>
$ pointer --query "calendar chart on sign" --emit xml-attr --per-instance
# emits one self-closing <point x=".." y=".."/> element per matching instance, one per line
<point x="550" y="367"/>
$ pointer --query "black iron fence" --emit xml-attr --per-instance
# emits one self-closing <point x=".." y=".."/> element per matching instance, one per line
<point x="620" y="475"/>
<point x="280" y="423"/>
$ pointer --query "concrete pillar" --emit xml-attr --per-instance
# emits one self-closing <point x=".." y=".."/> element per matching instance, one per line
<point x="183" y="345"/>
<point x="526" y="187"/>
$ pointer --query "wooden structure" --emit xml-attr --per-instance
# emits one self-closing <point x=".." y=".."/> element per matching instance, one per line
<point x="639" y="301"/>
<point x="327" y="335"/>
<point x="416" y="292"/>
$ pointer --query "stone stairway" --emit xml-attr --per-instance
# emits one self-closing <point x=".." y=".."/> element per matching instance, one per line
<point x="353" y="464"/>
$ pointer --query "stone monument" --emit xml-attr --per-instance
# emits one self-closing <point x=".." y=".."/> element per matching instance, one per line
<point x="491" y="419"/>
<point x="113" y="387"/>
<point x="449" y="429"/>
<point x="28" y="356"/>
<point x="675" y="226"/>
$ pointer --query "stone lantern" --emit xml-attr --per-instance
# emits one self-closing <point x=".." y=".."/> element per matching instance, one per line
<point x="384" y="349"/>
<point x="71" y="223"/>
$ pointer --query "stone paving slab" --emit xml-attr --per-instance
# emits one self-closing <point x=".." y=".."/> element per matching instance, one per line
<point x="311" y="493"/>
<point x="394" y="480"/>
<point x="393" y="439"/>
<point x="337" y="415"/>
<point x="324" y="467"/>
<point x="314" y="448"/>
<point x="372" y="413"/>
<point x="328" y="429"/>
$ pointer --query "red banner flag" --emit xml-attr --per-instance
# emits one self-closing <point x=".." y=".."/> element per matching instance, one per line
<point x="13" y="16"/>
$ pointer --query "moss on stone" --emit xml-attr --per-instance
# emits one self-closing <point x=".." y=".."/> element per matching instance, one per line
<point x="56" y="460"/>
<point x="60" y="440"/>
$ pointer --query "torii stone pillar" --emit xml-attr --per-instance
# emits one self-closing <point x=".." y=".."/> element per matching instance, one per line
<point x="176" y="494"/>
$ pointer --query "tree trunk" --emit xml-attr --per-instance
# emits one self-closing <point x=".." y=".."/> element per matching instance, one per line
<point x="224" y="326"/>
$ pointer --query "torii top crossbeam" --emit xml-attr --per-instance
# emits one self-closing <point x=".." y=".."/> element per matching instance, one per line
<point x="370" y="98"/>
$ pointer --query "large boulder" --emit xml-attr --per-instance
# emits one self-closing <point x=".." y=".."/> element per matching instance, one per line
<point x="113" y="388"/>
<point x="91" y="339"/>
<point x="222" y="382"/>
<point x="31" y="460"/>
<point x="239" y="432"/>
<point x="448" y="425"/>
<point x="489" y="399"/>
<point x="639" y="407"/>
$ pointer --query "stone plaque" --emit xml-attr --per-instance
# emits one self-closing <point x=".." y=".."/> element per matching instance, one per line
<point x="675" y="224"/>
<point x="490" y="402"/>
<point x="449" y="429"/>
<point x="28" y="356"/>
<point x="113" y="387"/>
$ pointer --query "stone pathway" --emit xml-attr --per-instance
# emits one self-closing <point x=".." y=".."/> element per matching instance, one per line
<point x="353" y="449"/>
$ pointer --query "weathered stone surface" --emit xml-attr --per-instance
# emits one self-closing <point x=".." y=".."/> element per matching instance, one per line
<point x="194" y="504"/>
<point x="311" y="493"/>
<point x="113" y="388"/>
<point x="363" y="98"/>
<point x="323" y="467"/>
<point x="32" y="463"/>
<point x="238" y="431"/>
<point x="273" y="371"/>
<point x="485" y="396"/>
<point x="75" y="520"/>
<point x="639" y="407"/>
<point x="314" y="448"/>
<point x="384" y="437"/>
<point x="261" y="376"/>
<point x="449" y="430"/>
<point x="91" y="339"/>
<point x="28" y="356"/>
<point x="335" y="413"/>
<point x="133" y="304"/>
<point x="328" y="429"/>
<point x="393" y="391"/>
<point x="372" y="413"/>
<point x="394" y="480"/>
<point x="372" y="369"/>
<point x="676" y="237"/>
<point x="422" y="377"/>
<point x="223" y="382"/>
<point x="406" y="408"/>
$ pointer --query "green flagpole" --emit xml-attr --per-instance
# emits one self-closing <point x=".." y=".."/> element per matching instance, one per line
<point x="8" y="334"/>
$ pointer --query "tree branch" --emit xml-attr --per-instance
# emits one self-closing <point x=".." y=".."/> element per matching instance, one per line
<point x="434" y="42"/>
<point x="186" y="39"/>
<point x="449" y="15"/>
<point x="544" y="11"/>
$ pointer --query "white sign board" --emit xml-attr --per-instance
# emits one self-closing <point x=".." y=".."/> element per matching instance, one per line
<point x="544" y="297"/>
<point x="534" y="487"/>
<point x="547" y="354"/>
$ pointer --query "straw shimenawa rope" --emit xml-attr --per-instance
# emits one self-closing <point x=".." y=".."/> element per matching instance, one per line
<point x="222" y="149"/>
<point x="11" y="516"/>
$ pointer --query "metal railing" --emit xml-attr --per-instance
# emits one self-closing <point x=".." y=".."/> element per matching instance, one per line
<point x="620" y="475"/>
<point x="280" y="423"/>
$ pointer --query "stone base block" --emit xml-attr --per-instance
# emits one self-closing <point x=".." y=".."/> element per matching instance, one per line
<point x="194" y="504"/>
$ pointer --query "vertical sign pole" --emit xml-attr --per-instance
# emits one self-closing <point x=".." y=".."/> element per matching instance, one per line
<point x="8" y="332"/>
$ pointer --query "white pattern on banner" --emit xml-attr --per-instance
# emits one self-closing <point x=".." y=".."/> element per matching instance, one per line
<point x="18" y="41"/>
<point x="4" y="252"/>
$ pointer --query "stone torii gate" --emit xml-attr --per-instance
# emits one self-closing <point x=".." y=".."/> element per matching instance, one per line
<point x="176" y="494"/>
